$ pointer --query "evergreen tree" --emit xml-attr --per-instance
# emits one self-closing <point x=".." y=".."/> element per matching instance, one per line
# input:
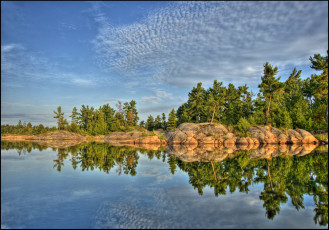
<point x="232" y="97"/>
<point x="196" y="100"/>
<point x="182" y="114"/>
<point x="171" y="120"/>
<point x="131" y="113"/>
<point x="108" y="115"/>
<point x="215" y="100"/>
<point x="100" y="124"/>
<point x="319" y="83"/>
<point x="164" y="122"/>
<point x="134" y="112"/>
<point x="270" y="86"/>
<point x="142" y="124"/>
<point x="74" y="115"/>
<point x="157" y="122"/>
<point x="150" y="123"/>
<point x="60" y="117"/>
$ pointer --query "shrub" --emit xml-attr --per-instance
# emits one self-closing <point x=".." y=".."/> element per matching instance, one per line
<point x="230" y="128"/>
<point x="153" y="133"/>
<point x="243" y="126"/>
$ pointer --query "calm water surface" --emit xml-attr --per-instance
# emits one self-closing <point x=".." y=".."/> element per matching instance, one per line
<point x="100" y="186"/>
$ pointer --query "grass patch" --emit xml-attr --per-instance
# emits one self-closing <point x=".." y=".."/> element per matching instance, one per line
<point x="321" y="137"/>
<point x="145" y="134"/>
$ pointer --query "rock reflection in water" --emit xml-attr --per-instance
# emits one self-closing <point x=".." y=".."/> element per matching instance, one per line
<point x="283" y="170"/>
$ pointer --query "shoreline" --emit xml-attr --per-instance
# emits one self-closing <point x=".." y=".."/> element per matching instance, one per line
<point x="186" y="134"/>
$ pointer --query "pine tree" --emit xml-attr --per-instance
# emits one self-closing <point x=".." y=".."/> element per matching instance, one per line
<point x="100" y="124"/>
<point x="74" y="115"/>
<point x="60" y="118"/>
<point x="215" y="100"/>
<point x="164" y="122"/>
<point x="157" y="122"/>
<point x="231" y="101"/>
<point x="319" y="83"/>
<point x="171" y="120"/>
<point x="150" y="123"/>
<point x="270" y="86"/>
<point x="182" y="114"/>
<point x="108" y="115"/>
<point x="134" y="111"/>
<point x="196" y="102"/>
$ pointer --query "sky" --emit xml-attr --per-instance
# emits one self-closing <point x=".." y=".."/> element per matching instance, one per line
<point x="77" y="53"/>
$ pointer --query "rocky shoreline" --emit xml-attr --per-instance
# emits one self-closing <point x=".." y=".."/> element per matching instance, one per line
<point x="187" y="134"/>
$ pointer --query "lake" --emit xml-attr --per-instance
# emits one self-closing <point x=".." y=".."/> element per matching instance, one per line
<point x="96" y="185"/>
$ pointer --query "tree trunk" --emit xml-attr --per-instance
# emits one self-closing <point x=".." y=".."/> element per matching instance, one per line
<point x="268" y="109"/>
<point x="269" y="173"/>
<point x="326" y="117"/>
<point x="213" y="169"/>
<point x="214" y="114"/>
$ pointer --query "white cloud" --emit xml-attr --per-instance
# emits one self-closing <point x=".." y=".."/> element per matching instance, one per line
<point x="163" y="94"/>
<point x="151" y="99"/>
<point x="188" y="42"/>
<point x="19" y="66"/>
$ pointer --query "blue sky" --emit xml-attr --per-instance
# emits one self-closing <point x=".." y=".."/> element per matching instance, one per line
<point x="93" y="53"/>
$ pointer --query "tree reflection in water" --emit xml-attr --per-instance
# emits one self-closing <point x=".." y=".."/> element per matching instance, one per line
<point x="282" y="176"/>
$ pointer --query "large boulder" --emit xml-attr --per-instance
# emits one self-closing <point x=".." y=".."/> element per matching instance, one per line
<point x="216" y="130"/>
<point x="58" y="135"/>
<point x="208" y="140"/>
<point x="283" y="138"/>
<point x="308" y="138"/>
<point x="120" y="136"/>
<point x="190" y="129"/>
<point x="263" y="134"/>
<point x="270" y="135"/>
<point x="190" y="141"/>
<point x="294" y="137"/>
<point x="175" y="137"/>
<point x="242" y="141"/>
<point x="148" y="140"/>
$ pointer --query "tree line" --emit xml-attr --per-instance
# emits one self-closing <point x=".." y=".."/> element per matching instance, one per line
<point x="25" y="129"/>
<point x="294" y="103"/>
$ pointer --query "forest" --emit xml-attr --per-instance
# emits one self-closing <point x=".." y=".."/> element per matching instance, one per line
<point x="294" y="103"/>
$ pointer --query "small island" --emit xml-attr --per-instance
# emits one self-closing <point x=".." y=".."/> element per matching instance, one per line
<point x="287" y="112"/>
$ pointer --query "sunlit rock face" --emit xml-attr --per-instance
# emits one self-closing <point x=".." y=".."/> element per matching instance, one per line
<point x="217" y="135"/>
<point x="206" y="153"/>
<point x="58" y="135"/>
<point x="193" y="135"/>
<point x="202" y="133"/>
<point x="270" y="135"/>
<point x="176" y="137"/>
<point x="307" y="137"/>
<point x="148" y="140"/>
<point x="58" y="143"/>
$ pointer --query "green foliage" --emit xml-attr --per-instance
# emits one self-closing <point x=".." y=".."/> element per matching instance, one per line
<point x="171" y="120"/>
<point x="270" y="87"/>
<point x="144" y="134"/>
<point x="243" y="126"/>
<point x="150" y="123"/>
<point x="283" y="120"/>
<point x="153" y="133"/>
<point x="27" y="129"/>
<point x="195" y="103"/>
<point x="60" y="117"/>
